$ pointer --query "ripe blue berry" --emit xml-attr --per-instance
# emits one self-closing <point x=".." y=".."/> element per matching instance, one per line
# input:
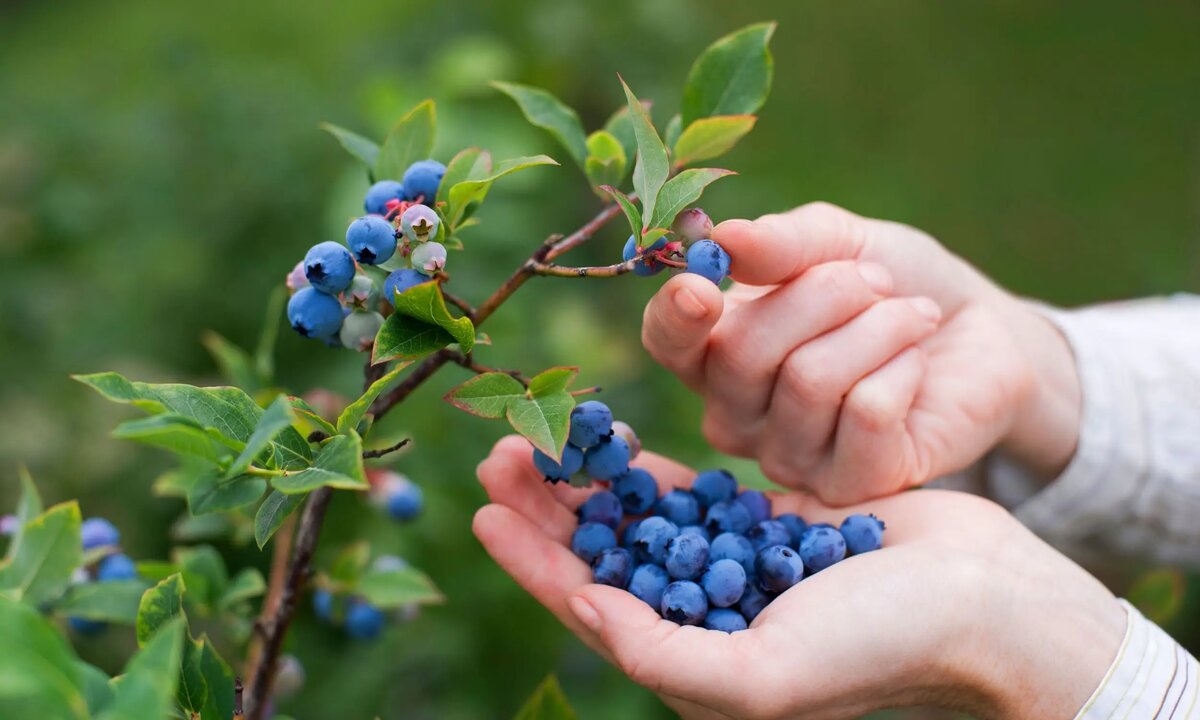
<point x="684" y="602"/>
<point x="419" y="224"/>
<point x="637" y="489"/>
<point x="699" y="530"/>
<point x="613" y="566"/>
<point x="591" y="421"/>
<point x="680" y="507"/>
<point x="608" y="460"/>
<point x="629" y="534"/>
<point x="555" y="472"/>
<point x="863" y="533"/>
<point x="767" y="533"/>
<point x="117" y="566"/>
<point x="795" y="526"/>
<point x="405" y="500"/>
<point x="380" y="193"/>
<point x="372" y="239"/>
<point x="323" y="604"/>
<point x="693" y="224"/>
<point x="359" y="330"/>
<point x="648" y="583"/>
<point x="314" y="314"/>
<point x="724" y="582"/>
<point x="757" y="503"/>
<point x="713" y="486"/>
<point x="753" y="601"/>
<point x="777" y="568"/>
<point x="329" y="267"/>
<point x="83" y="626"/>
<point x="725" y="620"/>
<point x="98" y="532"/>
<point x="732" y="546"/>
<point x="402" y="280"/>
<point x="592" y="538"/>
<point x="728" y="516"/>
<point x="647" y="265"/>
<point x="602" y="507"/>
<point x="363" y="620"/>
<point x="653" y="534"/>
<point x="421" y="180"/>
<point x="687" y="556"/>
<point x="821" y="545"/>
<point x="708" y="259"/>
<point x="429" y="258"/>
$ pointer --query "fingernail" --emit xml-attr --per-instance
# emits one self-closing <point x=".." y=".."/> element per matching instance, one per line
<point x="876" y="277"/>
<point x="927" y="308"/>
<point x="585" y="612"/>
<point x="689" y="305"/>
<point x="736" y="223"/>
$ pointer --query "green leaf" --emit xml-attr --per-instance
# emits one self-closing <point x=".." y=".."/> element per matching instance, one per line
<point x="218" y="677"/>
<point x="652" y="235"/>
<point x="179" y="434"/>
<point x="248" y="583"/>
<point x="204" y="574"/>
<point x="547" y="703"/>
<point x="606" y="161"/>
<point x="113" y="601"/>
<point x="409" y="141"/>
<point x="275" y="419"/>
<point x="212" y="493"/>
<point x="543" y="420"/>
<point x="235" y="364"/>
<point x="554" y="380"/>
<point x="50" y="551"/>
<point x="158" y="607"/>
<point x="156" y="571"/>
<point x="683" y="190"/>
<point x="147" y="687"/>
<point x="1159" y="594"/>
<point x="621" y="127"/>
<point x="467" y="164"/>
<point x="711" y="137"/>
<point x="401" y="337"/>
<point x="306" y="411"/>
<point x="29" y="506"/>
<point x="632" y="214"/>
<point x="264" y="354"/>
<point x="354" y="412"/>
<point x="652" y="167"/>
<point x="39" y="675"/>
<point x="474" y="191"/>
<point x="551" y="114"/>
<point x="271" y="514"/>
<point x="192" y="691"/>
<point x="397" y="588"/>
<point x="731" y="77"/>
<point x="671" y="133"/>
<point x="357" y="145"/>
<point x="486" y="395"/>
<point x="96" y="688"/>
<point x="350" y="563"/>
<point x="337" y="465"/>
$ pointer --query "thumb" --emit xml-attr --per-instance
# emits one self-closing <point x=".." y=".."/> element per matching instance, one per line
<point x="776" y="248"/>
<point x="677" y="322"/>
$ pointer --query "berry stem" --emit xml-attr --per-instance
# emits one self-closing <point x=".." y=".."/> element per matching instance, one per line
<point x="469" y="363"/>
<point x="458" y="302"/>
<point x="595" y="271"/>
<point x="369" y="454"/>
<point x="586" y="391"/>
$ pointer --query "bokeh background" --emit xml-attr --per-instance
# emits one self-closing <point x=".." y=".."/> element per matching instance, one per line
<point x="161" y="169"/>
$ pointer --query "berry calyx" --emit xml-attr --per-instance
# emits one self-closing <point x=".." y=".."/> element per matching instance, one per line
<point x="429" y="258"/>
<point x="419" y="223"/>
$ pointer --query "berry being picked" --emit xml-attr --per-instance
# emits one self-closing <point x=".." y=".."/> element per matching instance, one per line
<point x="296" y="279"/>
<point x="402" y="280"/>
<point x="679" y="506"/>
<point x="767" y="533"/>
<point x="821" y="546"/>
<point x="732" y="546"/>
<point x="372" y="239"/>
<point x="648" y="264"/>
<point x="795" y="526"/>
<point x="626" y="433"/>
<point x="687" y="556"/>
<point x="708" y="259"/>
<point x="863" y="533"/>
<point x="364" y="621"/>
<point x="725" y="620"/>
<point x="724" y="582"/>
<point x="637" y="490"/>
<point x="613" y="566"/>
<point x="359" y="330"/>
<point x="591" y="421"/>
<point x="608" y="460"/>
<point x="98" y="532"/>
<point x="379" y="194"/>
<point x="648" y="583"/>
<point x="753" y="601"/>
<point x="429" y="258"/>
<point x="590" y="539"/>
<point x="777" y="568"/>
<point x="713" y="486"/>
<point x="421" y="180"/>
<point x="758" y="504"/>
<point x="329" y="267"/>
<point x="554" y="471"/>
<point x="685" y="603"/>
<point x="653" y="534"/>
<point x="728" y="516"/>
<point x="602" y="507"/>
<point x="117" y="566"/>
<point x="419" y="224"/>
<point x="289" y="676"/>
<point x="698" y="530"/>
<point x="693" y="224"/>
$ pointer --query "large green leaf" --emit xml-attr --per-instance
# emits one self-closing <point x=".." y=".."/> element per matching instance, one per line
<point x="147" y="687"/>
<point x="473" y="191"/>
<point x="409" y="141"/>
<point x="354" y="412"/>
<point x="97" y="689"/>
<point x="29" y="506"/>
<point x="271" y="514"/>
<point x="683" y="190"/>
<point x="192" y="690"/>
<point x="309" y="414"/>
<point x="275" y="419"/>
<point x="606" y="161"/>
<point x="731" y="77"/>
<point x="337" y="465"/>
<point x="397" y="588"/>
<point x="672" y="131"/>
<point x="632" y="214"/>
<point x="39" y="675"/>
<point x="179" y="434"/>
<point x="551" y="114"/>
<point x="159" y="606"/>
<point x="248" y="583"/>
<point x="466" y="165"/>
<point x="552" y="381"/>
<point x="50" y="551"/>
<point x="110" y="601"/>
<point x="620" y="125"/>
<point x="218" y="677"/>
<point x="652" y="167"/>
<point x="204" y="573"/>
<point x="401" y="337"/>
<point x="544" y="420"/>
<point x="357" y="145"/>
<point x="711" y="137"/>
<point x="212" y="493"/>
<point x="547" y="703"/>
<point x="486" y="395"/>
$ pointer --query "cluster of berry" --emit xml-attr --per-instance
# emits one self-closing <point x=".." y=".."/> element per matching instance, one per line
<point x="360" y="619"/>
<point x="395" y="494"/>
<point x="596" y="445"/>
<point x="332" y="299"/>
<point x="692" y="249"/>
<point x="102" y="537"/>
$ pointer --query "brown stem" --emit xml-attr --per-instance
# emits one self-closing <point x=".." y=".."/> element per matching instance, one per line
<point x="458" y="302"/>
<point x="601" y="271"/>
<point x="279" y="567"/>
<point x="469" y="363"/>
<point x="369" y="454"/>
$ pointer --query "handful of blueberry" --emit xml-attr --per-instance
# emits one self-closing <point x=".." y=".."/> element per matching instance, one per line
<point x="711" y="555"/>
<point x="692" y="249"/>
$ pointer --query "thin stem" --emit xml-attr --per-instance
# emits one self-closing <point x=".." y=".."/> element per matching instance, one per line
<point x="264" y="472"/>
<point x="469" y="363"/>
<point x="369" y="454"/>
<point x="586" y="391"/>
<point x="280" y="555"/>
<point x="458" y="302"/>
<point x="595" y="271"/>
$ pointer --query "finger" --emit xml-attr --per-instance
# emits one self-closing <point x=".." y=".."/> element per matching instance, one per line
<point x="676" y="324"/>
<point x="776" y="248"/>
<point x="510" y="479"/>
<point x="817" y="376"/>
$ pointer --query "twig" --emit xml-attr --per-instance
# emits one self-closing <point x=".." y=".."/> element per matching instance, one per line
<point x="369" y="454"/>
<point x="458" y="302"/>
<point x="586" y="391"/>
<point x="469" y="363"/>
<point x="600" y="271"/>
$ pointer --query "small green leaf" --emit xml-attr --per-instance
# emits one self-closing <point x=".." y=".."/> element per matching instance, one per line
<point x="271" y="514"/>
<point x="249" y="583"/>
<point x="192" y="691"/>
<point x="97" y="690"/>
<point x="397" y="588"/>
<point x="357" y="145"/>
<point x="467" y="164"/>
<point x="409" y="141"/>
<point x="683" y="190"/>
<point x="543" y="420"/>
<point x="606" y="159"/>
<point x="264" y="354"/>
<point x="486" y="395"/>
<point x="547" y="703"/>
<point x="275" y="419"/>
<point x="204" y="573"/>
<point x="155" y="571"/>
<point x="711" y="137"/>
<point x="621" y="127"/>
<point x="401" y="337"/>
<point x="235" y="364"/>
<point x="473" y="191"/>
<point x="554" y="380"/>
<point x="50" y="551"/>
<point x="39" y="675"/>
<point x="29" y="506"/>
<point x="337" y="465"/>
<point x="631" y="212"/>
<point x="350" y="563"/>
<point x="218" y="677"/>
<point x="212" y="493"/>
<point x="354" y="412"/>
<point x="110" y="601"/>
<point x="158" y="607"/>
<point x="652" y="235"/>
<point x="671" y="133"/>
<point x="652" y="167"/>
<point x="147" y="687"/>
<point x="306" y="411"/>
<point x="551" y="114"/>
<point x="179" y="434"/>
<point x="732" y="76"/>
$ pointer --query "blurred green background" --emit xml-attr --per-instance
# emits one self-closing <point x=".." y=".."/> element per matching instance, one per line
<point x="161" y="170"/>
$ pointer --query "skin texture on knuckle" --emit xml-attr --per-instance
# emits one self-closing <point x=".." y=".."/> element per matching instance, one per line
<point x="805" y="379"/>
<point x="874" y="406"/>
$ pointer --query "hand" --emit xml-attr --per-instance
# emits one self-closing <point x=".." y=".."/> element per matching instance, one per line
<point x="856" y="357"/>
<point x="963" y="607"/>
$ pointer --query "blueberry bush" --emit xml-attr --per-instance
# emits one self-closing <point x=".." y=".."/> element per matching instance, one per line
<point x="262" y="464"/>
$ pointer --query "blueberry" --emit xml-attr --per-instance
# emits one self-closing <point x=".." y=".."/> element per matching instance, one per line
<point x="626" y="433"/>
<point x="602" y="507"/>
<point x="821" y="545"/>
<point x="629" y="534"/>
<point x="777" y="568"/>
<point x="708" y="259"/>
<point x="725" y="620"/>
<point x="554" y="472"/>
<point x="863" y="533"/>
<point x="429" y="258"/>
<point x="680" y="507"/>
<point x="405" y="500"/>
<point x="646" y="266"/>
<point x="314" y="314"/>
<point x="117" y="566"/>
<point x="613" y="566"/>
<point x="380" y="193"/>
<point x="421" y="180"/>
<point x="637" y="489"/>
<point x="713" y="486"/>
<point x="420" y="224"/>
<point x="323" y="604"/>
<point x="698" y="530"/>
<point x="685" y="603"/>
<point x="731" y="546"/>
<point x="753" y="601"/>
<point x="359" y="330"/>
<point x="372" y="239"/>
<point x="608" y="460"/>
<point x="402" y="280"/>
<point x="795" y="526"/>
<point x="362" y="294"/>
<point x="757" y="503"/>
<point x="728" y="516"/>
<point x="767" y="533"/>
<point x="693" y="224"/>
<point x="83" y="626"/>
<point x="687" y="556"/>
<point x="724" y="582"/>
<point x="98" y="532"/>
<point x="591" y="421"/>
<point x="648" y="583"/>
<point x="363" y="620"/>
<point x="295" y="279"/>
<point x="592" y="538"/>
<point x="653" y="534"/>
<point x="329" y="267"/>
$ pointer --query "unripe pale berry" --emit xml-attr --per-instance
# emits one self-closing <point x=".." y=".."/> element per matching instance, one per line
<point x="372" y="239"/>
<point x="296" y="279"/>
<point x="429" y="258"/>
<point x="329" y="267"/>
<point x="419" y="223"/>
<point x="314" y="314"/>
<point x="625" y="432"/>
<point x="693" y="224"/>
<point x="708" y="259"/>
<point x="402" y="280"/>
<point x="359" y="330"/>
<point x="361" y="295"/>
<point x="380" y="193"/>
<point x="421" y="180"/>
<point x="289" y="676"/>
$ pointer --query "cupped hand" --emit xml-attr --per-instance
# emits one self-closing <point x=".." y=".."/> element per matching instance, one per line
<point x="963" y="607"/>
